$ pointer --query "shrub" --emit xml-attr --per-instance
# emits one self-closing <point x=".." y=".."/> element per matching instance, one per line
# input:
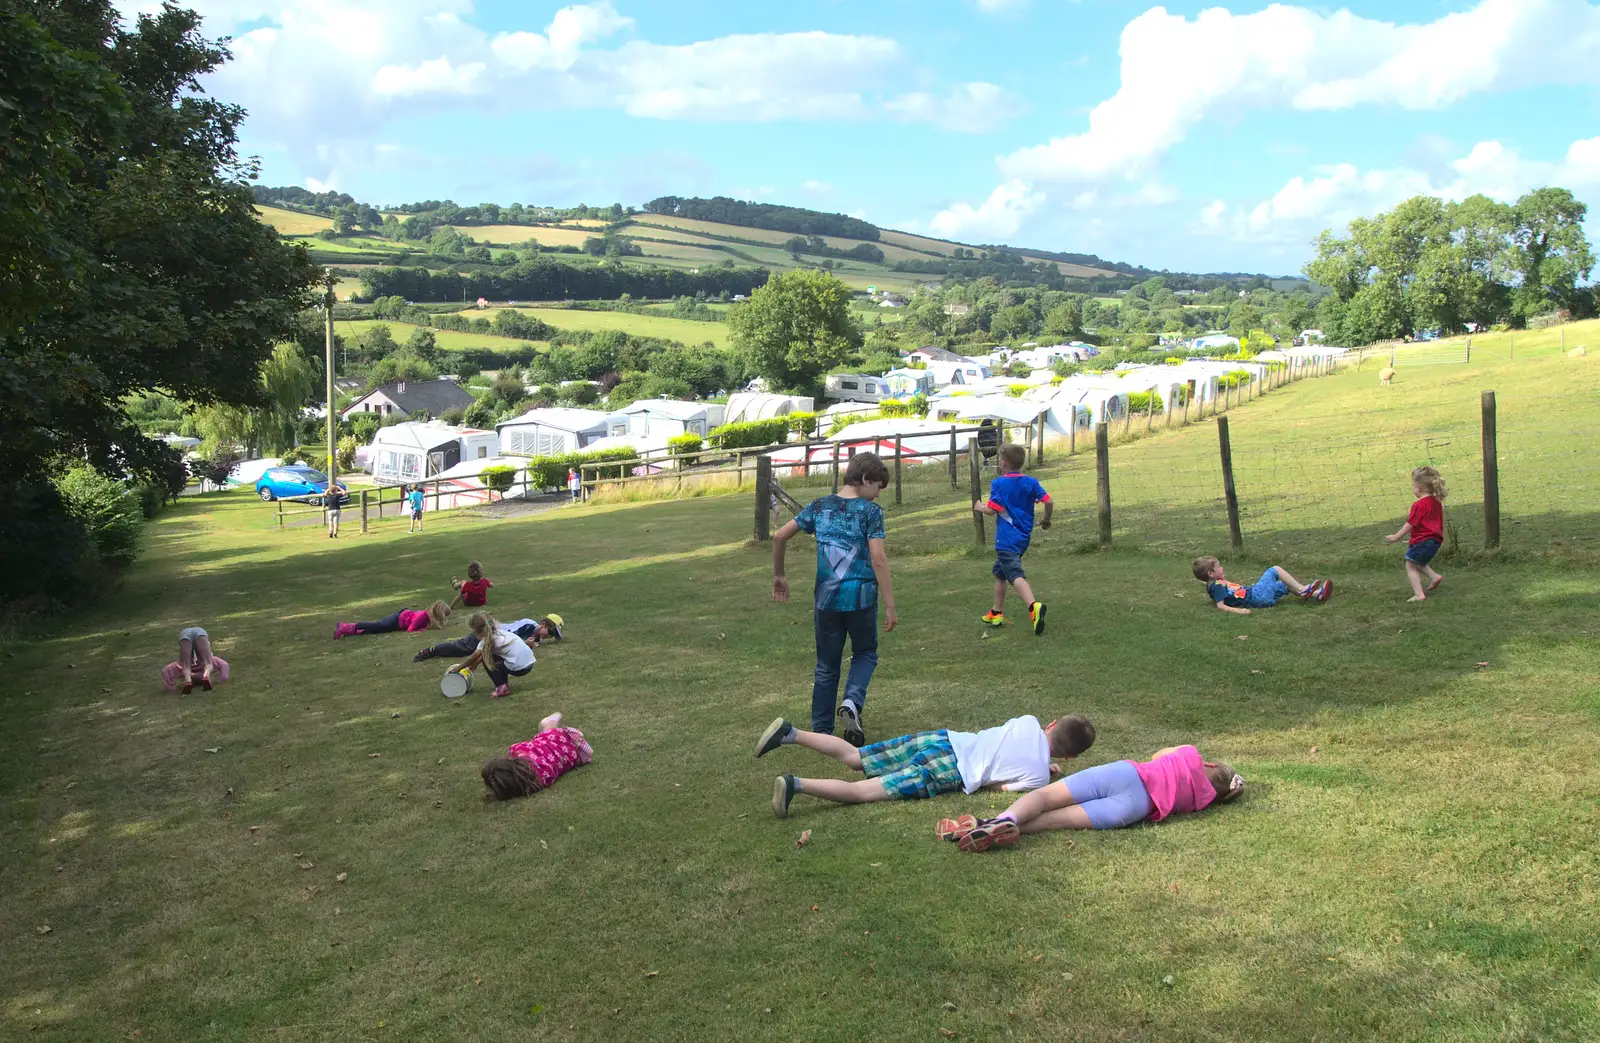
<point x="364" y="425"/>
<point x="347" y="452"/>
<point x="750" y="434"/>
<point x="845" y="420"/>
<point x="109" y="510"/>
<point x="217" y="468"/>
<point x="684" y="445"/>
<point x="802" y="423"/>
<point x="296" y="455"/>
<point x="499" y="478"/>
<point x="550" y="472"/>
<point x="1140" y="402"/>
<point x="892" y="408"/>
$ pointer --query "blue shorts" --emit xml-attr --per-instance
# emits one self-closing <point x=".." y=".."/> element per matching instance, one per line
<point x="1420" y="554"/>
<point x="1265" y="592"/>
<point x="1112" y="795"/>
<point x="1008" y="566"/>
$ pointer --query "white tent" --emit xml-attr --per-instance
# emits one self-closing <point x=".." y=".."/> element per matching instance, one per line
<point x="918" y="439"/>
<point x="555" y="432"/>
<point x="745" y="406"/>
<point x="1004" y="408"/>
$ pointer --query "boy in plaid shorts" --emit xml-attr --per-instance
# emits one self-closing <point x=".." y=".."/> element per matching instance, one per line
<point x="1014" y="757"/>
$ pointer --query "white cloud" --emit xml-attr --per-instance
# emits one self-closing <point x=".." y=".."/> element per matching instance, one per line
<point x="993" y="220"/>
<point x="999" y="6"/>
<point x="437" y="76"/>
<point x="967" y="107"/>
<point x="1337" y="193"/>
<point x="1176" y="72"/>
<point x="816" y="188"/>
<point x="558" y="46"/>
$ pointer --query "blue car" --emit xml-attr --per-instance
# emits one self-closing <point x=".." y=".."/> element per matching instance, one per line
<point x="287" y="483"/>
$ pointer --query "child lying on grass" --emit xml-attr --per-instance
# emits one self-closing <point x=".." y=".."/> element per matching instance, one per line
<point x="1107" y="796"/>
<point x="1013" y="757"/>
<point x="1263" y="593"/>
<point x="530" y="766"/>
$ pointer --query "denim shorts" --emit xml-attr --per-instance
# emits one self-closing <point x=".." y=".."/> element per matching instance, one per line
<point x="1420" y="554"/>
<point x="1265" y="592"/>
<point x="1008" y="566"/>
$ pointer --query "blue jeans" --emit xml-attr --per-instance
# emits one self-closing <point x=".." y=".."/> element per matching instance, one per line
<point x="861" y="627"/>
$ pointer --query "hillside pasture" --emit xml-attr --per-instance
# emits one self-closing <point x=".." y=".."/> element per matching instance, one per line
<point x="305" y="853"/>
<point x="292" y="222"/>
<point x="687" y="331"/>
<point x="512" y="235"/>
<point x="449" y="340"/>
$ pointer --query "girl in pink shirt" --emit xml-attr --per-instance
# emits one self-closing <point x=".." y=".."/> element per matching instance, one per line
<point x="1108" y="796"/>
<point x="535" y="763"/>
<point x="407" y="619"/>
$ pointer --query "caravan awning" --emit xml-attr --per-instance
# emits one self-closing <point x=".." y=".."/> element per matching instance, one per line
<point x="1001" y="407"/>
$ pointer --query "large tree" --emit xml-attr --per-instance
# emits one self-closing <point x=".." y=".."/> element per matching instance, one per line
<point x="130" y="255"/>
<point x="796" y="328"/>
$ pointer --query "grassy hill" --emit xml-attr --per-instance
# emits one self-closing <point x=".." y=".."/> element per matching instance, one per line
<point x="305" y="852"/>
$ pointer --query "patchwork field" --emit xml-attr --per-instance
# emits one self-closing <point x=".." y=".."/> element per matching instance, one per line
<point x="511" y="235"/>
<point x="449" y="340"/>
<point x="293" y="222"/>
<point x="305" y="853"/>
<point x="687" y="331"/>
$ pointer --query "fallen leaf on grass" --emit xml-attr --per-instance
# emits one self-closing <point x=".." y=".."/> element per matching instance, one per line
<point x="42" y="929"/>
<point x="1038" y="959"/>
<point x="1242" y="637"/>
<point x="949" y="1006"/>
<point x="1169" y="981"/>
<point x="438" y="803"/>
<point x="1480" y="666"/>
<point x="1255" y="671"/>
<point x="948" y="1033"/>
<point x="306" y="865"/>
<point x="816" y="908"/>
<point x="1313" y="749"/>
<point x="372" y="755"/>
<point x="342" y="877"/>
<point x="805" y="838"/>
<point x="651" y="974"/>
<point x="255" y="829"/>
<point x="875" y="865"/>
<point x="213" y="749"/>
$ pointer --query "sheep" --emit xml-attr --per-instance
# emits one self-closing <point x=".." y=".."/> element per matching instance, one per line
<point x="1386" y="376"/>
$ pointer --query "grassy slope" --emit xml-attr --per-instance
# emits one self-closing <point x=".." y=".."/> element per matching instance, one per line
<point x="1415" y="859"/>
<point x="292" y="222"/>
<point x="688" y="331"/>
<point x="450" y="340"/>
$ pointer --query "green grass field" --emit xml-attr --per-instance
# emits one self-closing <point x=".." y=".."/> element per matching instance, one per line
<point x="304" y="853"/>
<point x="449" y="340"/>
<point x="688" y="331"/>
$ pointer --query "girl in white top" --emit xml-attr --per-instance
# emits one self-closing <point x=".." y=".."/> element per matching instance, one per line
<point x="503" y="655"/>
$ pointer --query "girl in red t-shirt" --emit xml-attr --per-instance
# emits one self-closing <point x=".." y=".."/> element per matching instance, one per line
<point x="530" y="766"/>
<point x="474" y="592"/>
<point x="1425" y="525"/>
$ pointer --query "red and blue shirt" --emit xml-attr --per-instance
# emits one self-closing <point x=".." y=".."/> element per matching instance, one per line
<point x="1011" y="497"/>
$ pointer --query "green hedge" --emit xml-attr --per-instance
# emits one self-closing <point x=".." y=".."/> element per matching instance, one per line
<point x="499" y="479"/>
<point x="684" y="445"/>
<point x="109" y="510"/>
<point x="1139" y="402"/>
<point x="802" y="423"/>
<point x="546" y="472"/>
<point x="752" y="434"/>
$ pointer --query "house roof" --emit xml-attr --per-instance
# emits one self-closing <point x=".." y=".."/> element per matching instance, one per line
<point x="435" y="396"/>
<point x="668" y="407"/>
<point x="574" y="420"/>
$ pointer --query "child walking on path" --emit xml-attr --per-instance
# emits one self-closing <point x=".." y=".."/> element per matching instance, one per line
<point x="1107" y="796"/>
<point x="332" y="500"/>
<point x="533" y="632"/>
<point x="852" y="566"/>
<point x="535" y="763"/>
<point x="1011" y="500"/>
<point x="574" y="484"/>
<point x="414" y="500"/>
<point x="1425" y="524"/>
<point x="473" y="592"/>
<point x="407" y="619"/>
<point x="503" y="655"/>
<point x="1263" y="593"/>
<point x="1013" y="757"/>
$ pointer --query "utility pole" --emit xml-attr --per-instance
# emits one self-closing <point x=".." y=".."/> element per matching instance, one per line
<point x="333" y="418"/>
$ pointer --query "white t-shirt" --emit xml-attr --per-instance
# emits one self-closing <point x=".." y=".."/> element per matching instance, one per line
<point x="513" y="651"/>
<point x="1017" y="754"/>
<point x="517" y="624"/>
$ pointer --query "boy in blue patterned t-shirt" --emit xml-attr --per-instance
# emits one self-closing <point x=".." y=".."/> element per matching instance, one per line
<point x="1011" y="500"/>
<point x="852" y="567"/>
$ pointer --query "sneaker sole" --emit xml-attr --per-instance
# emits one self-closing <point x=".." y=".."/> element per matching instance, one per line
<point x="954" y="829"/>
<point x="854" y="734"/>
<point x="769" y="738"/>
<point x="1327" y="590"/>
<point x="780" y="797"/>
<point x="1038" y="624"/>
<point x="982" y="838"/>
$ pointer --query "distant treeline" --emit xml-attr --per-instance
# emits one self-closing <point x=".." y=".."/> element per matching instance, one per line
<point x="544" y="279"/>
<point x="302" y="198"/>
<point x="762" y="215"/>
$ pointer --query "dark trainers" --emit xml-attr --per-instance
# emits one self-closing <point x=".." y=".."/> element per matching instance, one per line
<point x="773" y="737"/>
<point x="426" y="653"/>
<point x="853" y="734"/>
<point x="1036" y="617"/>
<point x="783" y="790"/>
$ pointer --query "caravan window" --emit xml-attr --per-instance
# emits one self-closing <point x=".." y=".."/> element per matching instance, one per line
<point x="483" y="451"/>
<point x="410" y="465"/>
<point x="695" y="427"/>
<point x="619" y="428"/>
<point x="848" y="385"/>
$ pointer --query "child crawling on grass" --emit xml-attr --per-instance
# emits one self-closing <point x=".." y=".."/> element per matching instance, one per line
<point x="1107" y="796"/>
<point x="409" y="620"/>
<point x="535" y="763"/>
<point x="1013" y="757"/>
<point x="1263" y="593"/>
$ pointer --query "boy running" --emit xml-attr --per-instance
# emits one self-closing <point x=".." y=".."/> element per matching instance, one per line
<point x="1011" y="500"/>
<point x="851" y="568"/>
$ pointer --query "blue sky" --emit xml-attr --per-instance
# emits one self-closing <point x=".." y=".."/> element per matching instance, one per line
<point x="1185" y="137"/>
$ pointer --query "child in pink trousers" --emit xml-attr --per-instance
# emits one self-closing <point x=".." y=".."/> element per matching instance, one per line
<point x="535" y="763"/>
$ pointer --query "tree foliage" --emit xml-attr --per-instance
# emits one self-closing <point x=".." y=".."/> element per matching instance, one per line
<point x="774" y="218"/>
<point x="796" y="328"/>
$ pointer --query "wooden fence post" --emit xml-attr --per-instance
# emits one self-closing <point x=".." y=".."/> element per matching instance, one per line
<point x="1072" y="433"/>
<point x="363" y="510"/>
<point x="280" y="513"/>
<point x="763" y="498"/>
<point x="836" y="466"/>
<point x="974" y="466"/>
<point x="1102" y="479"/>
<point x="897" y="450"/>
<point x="1150" y="412"/>
<point x="1229" y="492"/>
<point x="436" y="496"/>
<point x="738" y="481"/>
<point x="954" y="480"/>
<point x="1038" y="434"/>
<point x="1491" y="475"/>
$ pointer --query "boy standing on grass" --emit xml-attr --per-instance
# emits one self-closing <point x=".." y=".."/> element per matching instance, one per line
<point x="414" y="499"/>
<point x="1011" y="500"/>
<point x="852" y="566"/>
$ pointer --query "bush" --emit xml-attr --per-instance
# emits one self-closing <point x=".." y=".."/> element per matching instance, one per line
<point x="296" y="455"/>
<point x="364" y="425"/>
<point x="550" y="472"/>
<point x="684" y="445"/>
<point x="802" y="423"/>
<point x="1140" y="402"/>
<point x="151" y="499"/>
<point x="217" y="468"/>
<point x="845" y="420"/>
<point x="499" y="478"/>
<point x="347" y="453"/>
<point x="751" y="434"/>
<point x="109" y="510"/>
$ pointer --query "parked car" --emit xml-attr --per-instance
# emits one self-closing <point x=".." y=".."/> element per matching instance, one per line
<point x="285" y="483"/>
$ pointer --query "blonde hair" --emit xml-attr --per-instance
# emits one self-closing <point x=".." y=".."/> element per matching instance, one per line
<point x="1429" y="481"/>
<point x="487" y="630"/>
<point x="474" y="570"/>
<point x="438" y="613"/>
